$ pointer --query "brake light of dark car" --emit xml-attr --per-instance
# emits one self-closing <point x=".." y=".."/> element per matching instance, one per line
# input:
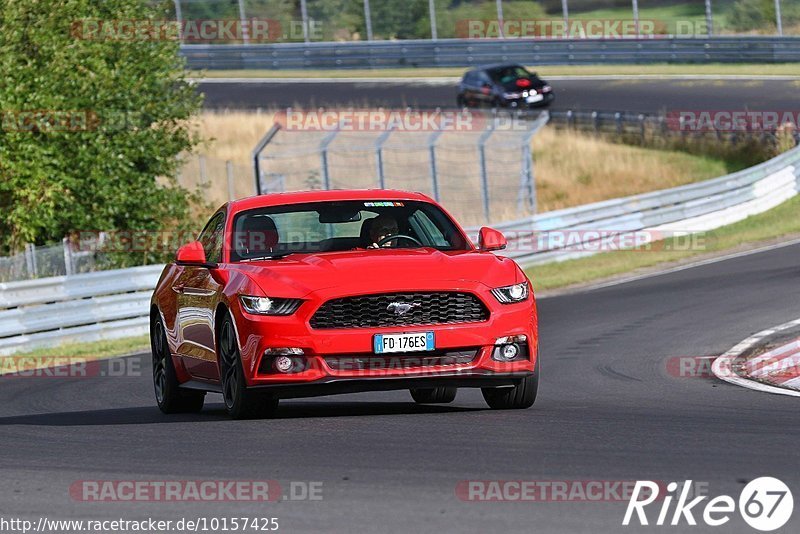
<point x="523" y="82"/>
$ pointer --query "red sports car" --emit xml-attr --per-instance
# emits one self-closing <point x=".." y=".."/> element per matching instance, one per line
<point x="322" y="292"/>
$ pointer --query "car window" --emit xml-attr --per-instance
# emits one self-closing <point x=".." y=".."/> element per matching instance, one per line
<point x="505" y="75"/>
<point x="212" y="236"/>
<point x="420" y="220"/>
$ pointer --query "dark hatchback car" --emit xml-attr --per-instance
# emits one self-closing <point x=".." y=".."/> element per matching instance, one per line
<point x="509" y="86"/>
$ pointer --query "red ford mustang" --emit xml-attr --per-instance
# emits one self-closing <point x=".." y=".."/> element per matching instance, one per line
<point x="322" y="292"/>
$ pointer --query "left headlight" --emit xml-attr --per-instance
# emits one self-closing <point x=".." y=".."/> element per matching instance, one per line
<point x="269" y="306"/>
<point x="511" y="294"/>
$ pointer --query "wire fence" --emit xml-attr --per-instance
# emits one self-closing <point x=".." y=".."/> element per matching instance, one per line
<point x="483" y="175"/>
<point x="368" y="20"/>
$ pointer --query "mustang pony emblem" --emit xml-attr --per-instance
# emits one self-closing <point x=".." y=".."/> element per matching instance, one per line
<point x="401" y="308"/>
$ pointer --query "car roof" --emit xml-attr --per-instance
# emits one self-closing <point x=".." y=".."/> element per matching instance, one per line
<point x="494" y="66"/>
<point x="300" y="197"/>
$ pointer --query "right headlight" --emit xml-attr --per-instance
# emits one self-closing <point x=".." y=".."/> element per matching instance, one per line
<point x="269" y="306"/>
<point x="511" y="294"/>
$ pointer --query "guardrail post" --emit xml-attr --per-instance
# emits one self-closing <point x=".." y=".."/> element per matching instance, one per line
<point x="368" y="20"/>
<point x="432" y="11"/>
<point x="618" y="121"/>
<point x="500" y="18"/>
<point x="245" y="29"/>
<point x="304" y="16"/>
<point x="484" y="177"/>
<point x="179" y="19"/>
<point x="379" y="157"/>
<point x="323" y="156"/>
<point x="641" y="127"/>
<point x="260" y="148"/>
<point x="30" y="260"/>
<point x="432" y="159"/>
<point x="68" y="267"/>
<point x="595" y="121"/>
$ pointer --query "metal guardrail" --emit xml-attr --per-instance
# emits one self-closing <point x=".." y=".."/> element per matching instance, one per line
<point x="77" y="308"/>
<point x="468" y="52"/>
<point x="690" y="208"/>
<point x="111" y="304"/>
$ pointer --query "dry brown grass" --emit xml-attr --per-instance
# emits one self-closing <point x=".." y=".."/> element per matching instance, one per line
<point x="571" y="168"/>
<point x="575" y="168"/>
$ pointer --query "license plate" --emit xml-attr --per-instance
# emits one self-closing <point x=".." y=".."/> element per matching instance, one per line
<point x="534" y="98"/>
<point x="418" y="342"/>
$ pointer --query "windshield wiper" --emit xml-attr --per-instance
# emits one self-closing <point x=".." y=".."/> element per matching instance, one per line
<point x="276" y="256"/>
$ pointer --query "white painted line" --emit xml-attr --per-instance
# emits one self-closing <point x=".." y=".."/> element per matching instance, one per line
<point x="722" y="366"/>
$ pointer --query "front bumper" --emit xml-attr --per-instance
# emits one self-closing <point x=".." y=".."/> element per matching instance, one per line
<point x="322" y="348"/>
<point x="520" y="103"/>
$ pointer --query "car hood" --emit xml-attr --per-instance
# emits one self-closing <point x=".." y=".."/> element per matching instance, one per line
<point x="375" y="271"/>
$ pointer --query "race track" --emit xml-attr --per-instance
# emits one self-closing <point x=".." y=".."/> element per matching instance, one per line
<point x="608" y="410"/>
<point x="634" y="95"/>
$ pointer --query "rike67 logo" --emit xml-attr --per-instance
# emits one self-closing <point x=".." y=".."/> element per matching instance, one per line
<point x="765" y="504"/>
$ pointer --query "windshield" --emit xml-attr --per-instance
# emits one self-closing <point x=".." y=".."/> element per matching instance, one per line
<point x="504" y="75"/>
<point x="339" y="226"/>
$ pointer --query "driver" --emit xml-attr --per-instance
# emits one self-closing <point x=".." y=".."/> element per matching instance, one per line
<point x="382" y="226"/>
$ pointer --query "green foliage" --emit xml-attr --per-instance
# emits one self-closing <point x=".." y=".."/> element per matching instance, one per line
<point x="751" y="14"/>
<point x="113" y="170"/>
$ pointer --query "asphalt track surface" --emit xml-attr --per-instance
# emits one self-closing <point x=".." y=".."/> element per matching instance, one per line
<point x="608" y="410"/>
<point x="635" y="95"/>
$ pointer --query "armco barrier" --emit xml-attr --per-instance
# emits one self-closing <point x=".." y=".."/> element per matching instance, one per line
<point x="691" y="208"/>
<point x="467" y="52"/>
<point x="111" y="304"/>
<point x="77" y="308"/>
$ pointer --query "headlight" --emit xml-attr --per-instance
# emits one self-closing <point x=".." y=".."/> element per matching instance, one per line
<point x="269" y="306"/>
<point x="511" y="294"/>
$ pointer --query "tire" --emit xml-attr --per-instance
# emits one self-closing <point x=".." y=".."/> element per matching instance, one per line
<point x="521" y="396"/>
<point x="169" y="395"/>
<point x="460" y="102"/>
<point x="240" y="401"/>
<point x="440" y="395"/>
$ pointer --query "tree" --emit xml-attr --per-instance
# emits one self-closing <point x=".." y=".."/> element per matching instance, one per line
<point x="92" y="125"/>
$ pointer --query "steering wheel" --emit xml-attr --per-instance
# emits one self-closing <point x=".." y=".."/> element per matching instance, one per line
<point x="394" y="237"/>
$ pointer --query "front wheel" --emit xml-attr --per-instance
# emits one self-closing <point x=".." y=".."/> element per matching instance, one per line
<point x="440" y="395"/>
<point x="241" y="402"/>
<point x="169" y="395"/>
<point x="521" y="396"/>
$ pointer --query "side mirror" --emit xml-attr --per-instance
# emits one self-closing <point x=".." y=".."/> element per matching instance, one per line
<point x="490" y="239"/>
<point x="191" y="254"/>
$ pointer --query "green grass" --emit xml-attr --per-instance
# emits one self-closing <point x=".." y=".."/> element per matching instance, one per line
<point x="73" y="352"/>
<point x="745" y="69"/>
<point x="780" y="221"/>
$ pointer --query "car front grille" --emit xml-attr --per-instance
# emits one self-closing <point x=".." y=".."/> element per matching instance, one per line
<point x="400" y="360"/>
<point x="385" y="310"/>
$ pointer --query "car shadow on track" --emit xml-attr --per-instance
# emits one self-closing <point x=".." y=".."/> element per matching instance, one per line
<point x="146" y="415"/>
